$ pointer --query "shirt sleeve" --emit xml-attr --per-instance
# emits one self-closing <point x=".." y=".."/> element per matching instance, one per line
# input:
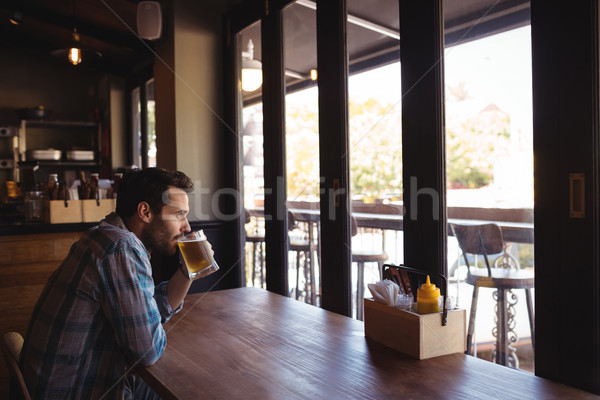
<point x="162" y="300"/>
<point x="130" y="306"/>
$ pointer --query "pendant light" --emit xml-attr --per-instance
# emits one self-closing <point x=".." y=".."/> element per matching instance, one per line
<point x="74" y="55"/>
<point x="75" y="52"/>
<point x="251" y="70"/>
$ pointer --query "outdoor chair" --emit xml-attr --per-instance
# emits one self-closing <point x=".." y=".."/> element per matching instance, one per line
<point x="504" y="275"/>
<point x="11" y="344"/>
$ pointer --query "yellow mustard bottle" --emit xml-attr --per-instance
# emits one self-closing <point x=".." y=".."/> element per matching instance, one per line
<point x="427" y="298"/>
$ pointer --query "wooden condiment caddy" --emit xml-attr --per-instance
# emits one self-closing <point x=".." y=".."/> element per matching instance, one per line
<point x="416" y="335"/>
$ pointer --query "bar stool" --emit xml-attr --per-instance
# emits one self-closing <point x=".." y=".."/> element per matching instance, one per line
<point x="303" y="249"/>
<point x="257" y="240"/>
<point x="360" y="257"/>
<point x="505" y="275"/>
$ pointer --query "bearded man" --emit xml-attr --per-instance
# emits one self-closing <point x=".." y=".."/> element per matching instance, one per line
<point x="100" y="312"/>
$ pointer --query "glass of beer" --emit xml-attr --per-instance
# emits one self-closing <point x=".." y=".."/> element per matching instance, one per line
<point x="197" y="254"/>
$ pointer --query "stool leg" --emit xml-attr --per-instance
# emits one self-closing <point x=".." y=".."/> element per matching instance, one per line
<point x="253" y="262"/>
<point x="360" y="277"/>
<point x="531" y="316"/>
<point x="501" y="329"/>
<point x="262" y="261"/>
<point x="311" y="273"/>
<point x="306" y="278"/>
<point x="471" y="329"/>
<point x="297" y="277"/>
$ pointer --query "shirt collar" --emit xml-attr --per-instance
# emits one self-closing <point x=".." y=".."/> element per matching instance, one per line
<point x="114" y="220"/>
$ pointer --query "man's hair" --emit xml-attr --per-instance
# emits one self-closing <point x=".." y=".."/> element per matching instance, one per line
<point x="149" y="185"/>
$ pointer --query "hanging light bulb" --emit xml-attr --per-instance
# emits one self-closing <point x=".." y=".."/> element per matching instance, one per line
<point x="75" y="50"/>
<point x="251" y="70"/>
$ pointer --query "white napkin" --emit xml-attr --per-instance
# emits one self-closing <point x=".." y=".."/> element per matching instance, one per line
<point x="385" y="292"/>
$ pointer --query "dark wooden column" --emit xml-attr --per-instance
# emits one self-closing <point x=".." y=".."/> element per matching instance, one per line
<point x="423" y="136"/>
<point x="232" y="142"/>
<point x="274" y="152"/>
<point x="566" y="141"/>
<point x="334" y="155"/>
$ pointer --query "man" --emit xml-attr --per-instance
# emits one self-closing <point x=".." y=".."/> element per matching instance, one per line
<point x="100" y="313"/>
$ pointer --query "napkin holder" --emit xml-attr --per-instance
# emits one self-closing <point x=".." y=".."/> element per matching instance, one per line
<point x="419" y="336"/>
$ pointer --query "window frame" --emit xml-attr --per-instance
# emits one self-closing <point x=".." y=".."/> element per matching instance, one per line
<point x="555" y="34"/>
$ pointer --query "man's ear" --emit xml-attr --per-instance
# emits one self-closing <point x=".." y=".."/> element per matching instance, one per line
<point x="144" y="212"/>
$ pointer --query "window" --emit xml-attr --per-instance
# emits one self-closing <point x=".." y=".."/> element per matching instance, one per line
<point x="143" y="125"/>
<point x="564" y="44"/>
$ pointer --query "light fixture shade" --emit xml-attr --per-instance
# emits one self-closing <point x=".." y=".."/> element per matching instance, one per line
<point x="251" y="75"/>
<point x="16" y="18"/>
<point x="75" y="52"/>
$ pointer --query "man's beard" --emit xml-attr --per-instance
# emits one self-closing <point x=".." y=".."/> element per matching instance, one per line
<point x="156" y="238"/>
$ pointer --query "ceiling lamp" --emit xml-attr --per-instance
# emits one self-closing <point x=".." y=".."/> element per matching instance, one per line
<point x="74" y="55"/>
<point x="251" y="70"/>
<point x="75" y="52"/>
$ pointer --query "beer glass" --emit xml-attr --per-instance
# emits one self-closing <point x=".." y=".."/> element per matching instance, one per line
<point x="197" y="255"/>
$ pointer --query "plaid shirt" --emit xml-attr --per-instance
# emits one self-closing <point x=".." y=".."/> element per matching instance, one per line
<point x="98" y="314"/>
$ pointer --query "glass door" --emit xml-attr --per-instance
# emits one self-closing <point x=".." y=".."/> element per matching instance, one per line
<point x="302" y="150"/>
<point x="375" y="109"/>
<point x="252" y="158"/>
<point x="489" y="167"/>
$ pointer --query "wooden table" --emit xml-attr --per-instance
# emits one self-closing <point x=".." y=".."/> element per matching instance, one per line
<point x="248" y="343"/>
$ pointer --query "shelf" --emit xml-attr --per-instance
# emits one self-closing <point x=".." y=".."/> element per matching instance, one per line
<point x="49" y="163"/>
<point x="59" y="124"/>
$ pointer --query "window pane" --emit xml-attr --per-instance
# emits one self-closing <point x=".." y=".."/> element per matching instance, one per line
<point x="302" y="151"/>
<point x="489" y="156"/>
<point x="136" y="128"/>
<point x="252" y="159"/>
<point x="375" y="123"/>
<point x="150" y="107"/>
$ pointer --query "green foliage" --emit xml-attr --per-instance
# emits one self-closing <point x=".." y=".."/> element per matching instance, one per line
<point x="526" y="254"/>
<point x="302" y="148"/>
<point x="473" y="146"/>
<point x="375" y="149"/>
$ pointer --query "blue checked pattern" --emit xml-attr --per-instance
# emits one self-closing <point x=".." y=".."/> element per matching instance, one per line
<point x="98" y="314"/>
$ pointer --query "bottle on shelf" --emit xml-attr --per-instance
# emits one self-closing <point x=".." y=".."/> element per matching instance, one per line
<point x="94" y="186"/>
<point x="84" y="187"/>
<point x="34" y="205"/>
<point x="52" y="187"/>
